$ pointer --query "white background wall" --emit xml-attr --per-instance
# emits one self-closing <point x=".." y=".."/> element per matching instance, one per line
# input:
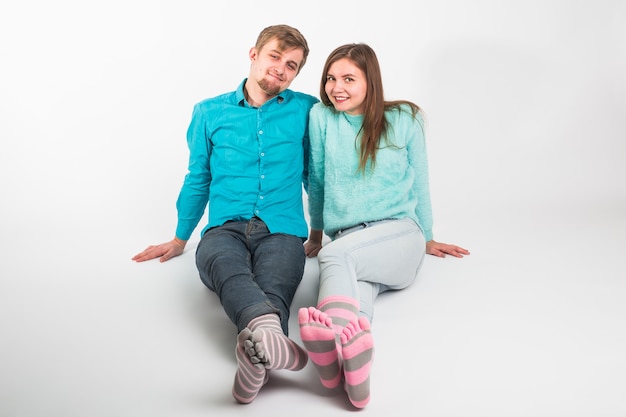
<point x="525" y="100"/>
<point x="525" y="103"/>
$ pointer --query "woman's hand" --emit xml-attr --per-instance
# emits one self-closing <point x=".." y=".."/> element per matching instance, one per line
<point x="314" y="244"/>
<point x="442" y="249"/>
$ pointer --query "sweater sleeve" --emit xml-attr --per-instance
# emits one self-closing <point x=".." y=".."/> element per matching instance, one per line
<point x="418" y="160"/>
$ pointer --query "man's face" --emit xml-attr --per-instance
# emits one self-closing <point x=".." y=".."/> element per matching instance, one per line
<point x="273" y="69"/>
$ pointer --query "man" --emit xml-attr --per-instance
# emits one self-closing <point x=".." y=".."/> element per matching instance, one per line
<point x="248" y="161"/>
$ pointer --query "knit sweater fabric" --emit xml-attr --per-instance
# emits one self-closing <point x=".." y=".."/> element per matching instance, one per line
<point x="340" y="196"/>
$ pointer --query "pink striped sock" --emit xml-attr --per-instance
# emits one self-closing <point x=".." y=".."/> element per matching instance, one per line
<point x="272" y="348"/>
<point x="250" y="377"/>
<point x="357" y="346"/>
<point x="318" y="336"/>
<point x="342" y="310"/>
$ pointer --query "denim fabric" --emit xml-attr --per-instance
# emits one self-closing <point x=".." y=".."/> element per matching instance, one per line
<point x="369" y="259"/>
<point x="252" y="271"/>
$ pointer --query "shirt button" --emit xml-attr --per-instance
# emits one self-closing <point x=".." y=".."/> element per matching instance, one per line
<point x="260" y="132"/>
<point x="262" y="177"/>
<point x="262" y="153"/>
<point x="261" y="197"/>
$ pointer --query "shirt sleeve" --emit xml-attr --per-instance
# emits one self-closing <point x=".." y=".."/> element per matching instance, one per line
<point x="306" y="147"/>
<point x="194" y="194"/>
<point x="316" y="167"/>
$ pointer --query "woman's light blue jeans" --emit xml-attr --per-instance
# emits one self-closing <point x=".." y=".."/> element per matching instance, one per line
<point x="369" y="259"/>
<point x="252" y="271"/>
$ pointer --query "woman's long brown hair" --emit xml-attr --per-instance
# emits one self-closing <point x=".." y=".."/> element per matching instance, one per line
<point x="375" y="126"/>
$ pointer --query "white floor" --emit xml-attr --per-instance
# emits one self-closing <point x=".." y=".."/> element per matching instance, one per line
<point x="531" y="324"/>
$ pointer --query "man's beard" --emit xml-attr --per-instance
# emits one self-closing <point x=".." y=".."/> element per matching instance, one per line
<point x="270" y="89"/>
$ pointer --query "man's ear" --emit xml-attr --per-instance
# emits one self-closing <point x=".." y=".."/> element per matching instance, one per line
<point x="253" y="53"/>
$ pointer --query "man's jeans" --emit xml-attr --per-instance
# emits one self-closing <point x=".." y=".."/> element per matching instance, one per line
<point x="252" y="271"/>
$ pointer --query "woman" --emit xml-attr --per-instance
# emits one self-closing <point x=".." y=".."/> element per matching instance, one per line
<point x="369" y="192"/>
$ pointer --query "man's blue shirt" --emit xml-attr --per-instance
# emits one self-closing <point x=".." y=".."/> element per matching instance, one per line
<point x="246" y="161"/>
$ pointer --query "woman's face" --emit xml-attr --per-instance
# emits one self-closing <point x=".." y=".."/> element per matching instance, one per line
<point x="346" y="87"/>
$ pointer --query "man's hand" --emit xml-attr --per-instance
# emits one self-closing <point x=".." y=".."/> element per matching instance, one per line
<point x="164" y="251"/>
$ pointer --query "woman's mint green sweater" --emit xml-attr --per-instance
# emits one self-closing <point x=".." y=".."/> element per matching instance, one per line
<point x="397" y="187"/>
